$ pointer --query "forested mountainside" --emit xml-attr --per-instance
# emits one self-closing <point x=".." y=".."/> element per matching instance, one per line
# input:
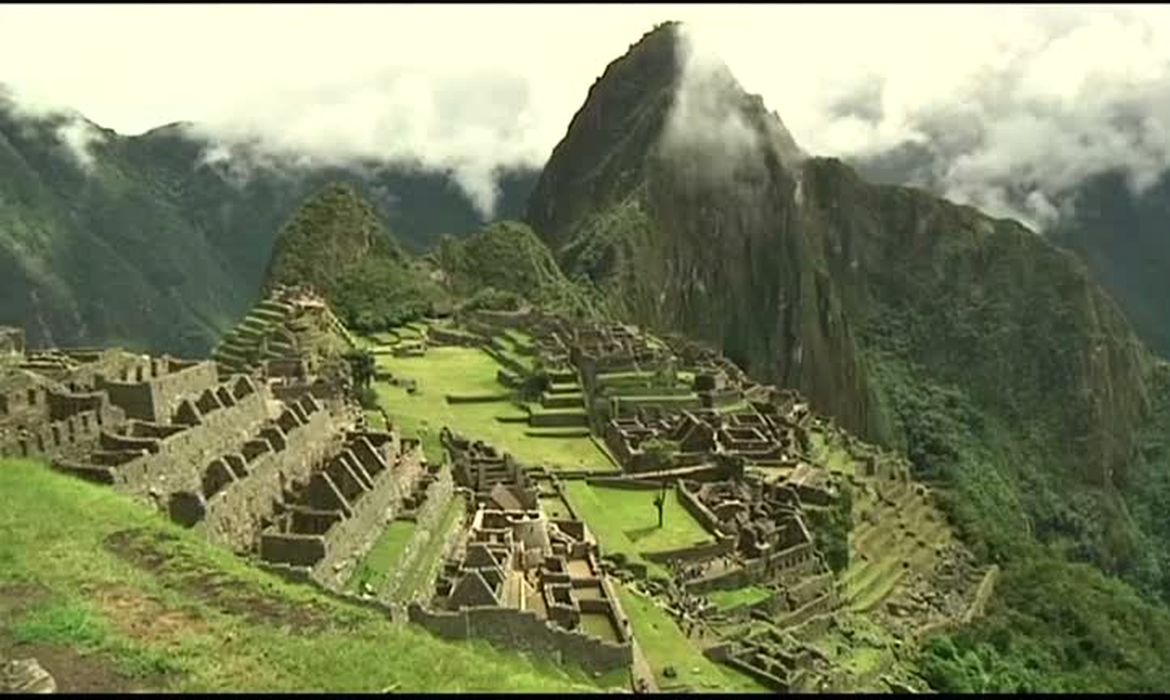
<point x="986" y="353"/>
<point x="146" y="245"/>
<point x="1121" y="233"/>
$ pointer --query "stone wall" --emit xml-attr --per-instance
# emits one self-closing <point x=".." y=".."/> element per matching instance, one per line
<point x="523" y="630"/>
<point x="690" y="502"/>
<point x="354" y="535"/>
<point x="428" y="517"/>
<point x="723" y="545"/>
<point x="158" y="460"/>
<point x="440" y="336"/>
<point x="507" y="361"/>
<point x="181" y="458"/>
<point x="11" y="340"/>
<point x="155" y="398"/>
<point x="235" y="515"/>
<point x="80" y="432"/>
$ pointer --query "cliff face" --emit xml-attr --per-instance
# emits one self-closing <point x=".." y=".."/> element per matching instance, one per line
<point x="1124" y="238"/>
<point x="691" y="208"/>
<point x="696" y="226"/>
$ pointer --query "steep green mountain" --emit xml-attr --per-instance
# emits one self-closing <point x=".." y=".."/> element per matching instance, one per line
<point x="507" y="264"/>
<point x="336" y="243"/>
<point x="151" y="247"/>
<point x="1120" y="234"/>
<point x="981" y="350"/>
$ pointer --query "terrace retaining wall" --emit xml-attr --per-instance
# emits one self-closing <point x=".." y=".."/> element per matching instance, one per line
<point x="524" y="630"/>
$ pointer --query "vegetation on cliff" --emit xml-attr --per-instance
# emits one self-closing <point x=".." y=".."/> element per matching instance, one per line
<point x="336" y="243"/>
<point x="1057" y="627"/>
<point x="505" y="265"/>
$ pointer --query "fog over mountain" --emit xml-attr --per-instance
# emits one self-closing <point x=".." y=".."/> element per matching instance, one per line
<point x="1003" y="107"/>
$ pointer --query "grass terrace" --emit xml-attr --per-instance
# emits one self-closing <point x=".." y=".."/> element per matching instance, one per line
<point x="383" y="557"/>
<point x="665" y="645"/>
<point x="738" y="597"/>
<point x="471" y="373"/>
<point x="626" y="521"/>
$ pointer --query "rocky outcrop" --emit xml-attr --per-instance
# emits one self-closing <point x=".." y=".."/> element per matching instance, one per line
<point x="25" y="676"/>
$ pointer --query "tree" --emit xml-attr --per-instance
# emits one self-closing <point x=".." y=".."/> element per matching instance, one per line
<point x="361" y="365"/>
<point x="661" y="452"/>
<point x="660" y="502"/>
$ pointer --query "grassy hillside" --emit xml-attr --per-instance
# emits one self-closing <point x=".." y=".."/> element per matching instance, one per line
<point x="111" y="597"/>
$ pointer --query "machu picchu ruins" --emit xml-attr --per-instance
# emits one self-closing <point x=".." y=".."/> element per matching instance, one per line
<point x="264" y="451"/>
<point x="782" y="351"/>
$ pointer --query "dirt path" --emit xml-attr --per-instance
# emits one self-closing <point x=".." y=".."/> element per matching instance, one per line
<point x="72" y="671"/>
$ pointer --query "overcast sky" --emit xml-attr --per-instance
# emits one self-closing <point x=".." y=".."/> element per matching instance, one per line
<point x="1039" y="95"/>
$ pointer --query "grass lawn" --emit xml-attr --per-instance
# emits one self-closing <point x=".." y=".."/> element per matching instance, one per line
<point x="833" y="456"/>
<point x="469" y="371"/>
<point x="729" y="600"/>
<point x="626" y="521"/>
<point x="383" y="556"/>
<point x="111" y="596"/>
<point x="664" y="645"/>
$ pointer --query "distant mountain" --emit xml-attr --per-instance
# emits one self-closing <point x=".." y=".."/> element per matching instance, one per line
<point x="336" y="243"/>
<point x="150" y="247"/>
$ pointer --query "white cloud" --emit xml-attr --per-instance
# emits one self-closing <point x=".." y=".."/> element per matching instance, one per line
<point x="1005" y="94"/>
<point x="75" y="135"/>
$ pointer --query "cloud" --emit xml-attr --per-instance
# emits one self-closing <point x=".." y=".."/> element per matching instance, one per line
<point x="78" y="138"/>
<point x="1007" y="109"/>
<point x="1011" y="104"/>
<point x="706" y="134"/>
<point x="75" y="136"/>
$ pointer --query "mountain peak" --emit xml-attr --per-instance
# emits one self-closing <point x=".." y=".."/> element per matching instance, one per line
<point x="666" y="104"/>
<point x="333" y="230"/>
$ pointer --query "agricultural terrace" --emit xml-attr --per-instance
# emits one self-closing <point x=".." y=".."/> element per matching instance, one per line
<point x="471" y="373"/>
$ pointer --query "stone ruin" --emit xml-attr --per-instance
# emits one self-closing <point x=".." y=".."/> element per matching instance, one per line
<point x="59" y="402"/>
<point x="11" y="341"/>
<point x="278" y="337"/>
<point x="522" y="580"/>
<point x="486" y="473"/>
<point x="760" y="436"/>
<point x="276" y="463"/>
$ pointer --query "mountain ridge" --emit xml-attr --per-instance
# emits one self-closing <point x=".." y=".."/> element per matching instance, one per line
<point x="152" y="247"/>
